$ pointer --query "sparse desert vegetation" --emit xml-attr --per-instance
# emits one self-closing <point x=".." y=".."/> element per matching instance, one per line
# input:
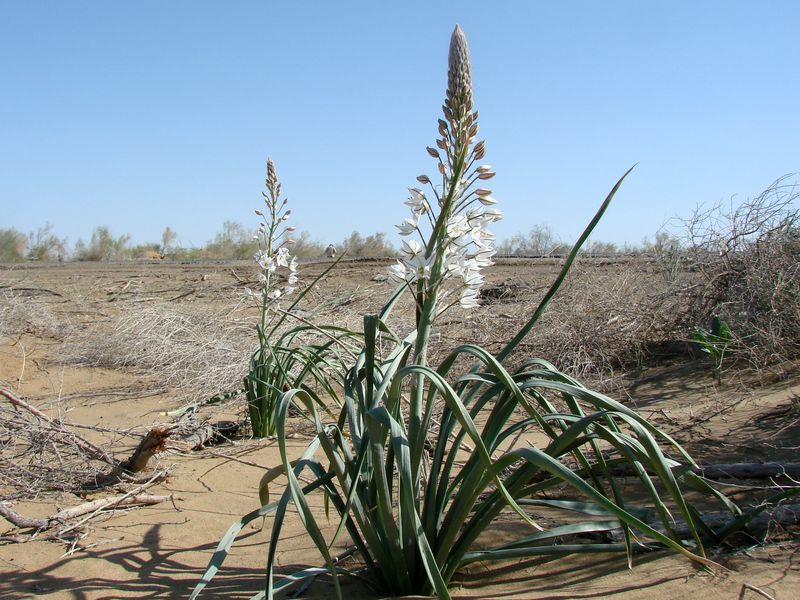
<point x="437" y="423"/>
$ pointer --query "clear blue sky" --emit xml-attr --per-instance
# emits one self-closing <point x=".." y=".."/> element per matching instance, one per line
<point x="141" y="115"/>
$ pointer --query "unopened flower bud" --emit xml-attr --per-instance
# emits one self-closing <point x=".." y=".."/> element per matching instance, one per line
<point x="483" y="192"/>
<point x="259" y="213"/>
<point x="423" y="179"/>
<point x="487" y="175"/>
<point x="487" y="200"/>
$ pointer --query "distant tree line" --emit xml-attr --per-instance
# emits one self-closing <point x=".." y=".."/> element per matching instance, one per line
<point x="235" y="241"/>
<point x="540" y="240"/>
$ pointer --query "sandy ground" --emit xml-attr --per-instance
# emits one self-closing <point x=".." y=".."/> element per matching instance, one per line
<point x="160" y="551"/>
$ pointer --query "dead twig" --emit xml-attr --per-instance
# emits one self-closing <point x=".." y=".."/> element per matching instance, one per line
<point x="752" y="588"/>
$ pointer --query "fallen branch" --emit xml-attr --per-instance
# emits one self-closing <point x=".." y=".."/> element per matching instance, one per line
<point x="94" y="507"/>
<point x="53" y="526"/>
<point x="784" y="515"/>
<point x="771" y="470"/>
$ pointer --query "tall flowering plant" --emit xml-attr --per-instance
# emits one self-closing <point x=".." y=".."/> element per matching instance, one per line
<point x="274" y="243"/>
<point x="414" y="479"/>
<point x="265" y="381"/>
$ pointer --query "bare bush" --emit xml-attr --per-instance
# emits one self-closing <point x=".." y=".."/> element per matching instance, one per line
<point x="748" y="257"/>
<point x="612" y="315"/>
<point x="38" y="455"/>
<point x="20" y="314"/>
<point x="198" y="354"/>
<point x="611" y="318"/>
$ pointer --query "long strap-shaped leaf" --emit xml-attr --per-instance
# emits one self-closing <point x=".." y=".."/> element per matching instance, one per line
<point x="508" y="348"/>
<point x="541" y="460"/>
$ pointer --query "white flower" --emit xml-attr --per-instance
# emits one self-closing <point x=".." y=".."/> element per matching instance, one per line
<point x="457" y="226"/>
<point x="490" y="215"/>
<point x="412" y="248"/>
<point x="419" y="266"/>
<point x="408" y="226"/>
<point x="398" y="272"/>
<point x="282" y="257"/>
<point x="417" y="202"/>
<point x="469" y="298"/>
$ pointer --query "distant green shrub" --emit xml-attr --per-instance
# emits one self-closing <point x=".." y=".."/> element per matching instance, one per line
<point x="103" y="246"/>
<point x="44" y="245"/>
<point x="373" y="246"/>
<point x="13" y="245"/>
<point x="234" y="241"/>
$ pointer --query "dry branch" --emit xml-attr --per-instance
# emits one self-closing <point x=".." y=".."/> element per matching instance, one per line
<point x="39" y="454"/>
<point x="785" y="515"/>
<point x="92" y="449"/>
<point x="94" y="506"/>
<point x="771" y="470"/>
<point x="151" y="444"/>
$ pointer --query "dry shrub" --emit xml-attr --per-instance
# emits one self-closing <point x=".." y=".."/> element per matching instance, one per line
<point x="21" y="313"/>
<point x="37" y="457"/>
<point x="610" y="315"/>
<point x="198" y="354"/>
<point x="748" y="258"/>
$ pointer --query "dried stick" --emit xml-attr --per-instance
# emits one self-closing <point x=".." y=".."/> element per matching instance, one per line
<point x="91" y="509"/>
<point x="752" y="588"/>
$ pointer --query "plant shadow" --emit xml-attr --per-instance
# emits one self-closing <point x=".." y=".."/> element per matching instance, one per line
<point x="149" y="570"/>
